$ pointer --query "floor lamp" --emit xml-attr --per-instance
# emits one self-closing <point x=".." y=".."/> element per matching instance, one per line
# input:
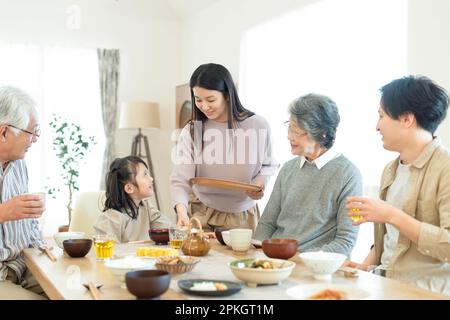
<point x="141" y="115"/>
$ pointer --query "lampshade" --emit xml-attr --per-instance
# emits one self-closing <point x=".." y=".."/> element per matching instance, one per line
<point x="139" y="115"/>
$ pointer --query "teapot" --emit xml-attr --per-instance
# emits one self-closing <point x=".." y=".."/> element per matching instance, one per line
<point x="196" y="243"/>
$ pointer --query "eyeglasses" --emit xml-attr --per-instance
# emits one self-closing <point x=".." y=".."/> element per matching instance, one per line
<point x="294" y="132"/>
<point x="36" y="133"/>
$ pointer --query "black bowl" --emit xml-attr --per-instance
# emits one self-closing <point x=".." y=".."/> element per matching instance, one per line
<point x="160" y="236"/>
<point x="218" y="233"/>
<point x="147" y="284"/>
<point x="77" y="248"/>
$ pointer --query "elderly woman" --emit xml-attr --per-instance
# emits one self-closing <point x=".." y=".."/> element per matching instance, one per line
<point x="309" y="197"/>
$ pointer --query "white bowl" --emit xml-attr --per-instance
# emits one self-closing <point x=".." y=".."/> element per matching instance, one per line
<point x="322" y="264"/>
<point x="241" y="239"/>
<point x="252" y="277"/>
<point x="226" y="237"/>
<point x="61" y="236"/>
<point x="119" y="267"/>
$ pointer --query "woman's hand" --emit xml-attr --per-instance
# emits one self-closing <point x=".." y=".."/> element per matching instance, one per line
<point x="256" y="195"/>
<point x="182" y="216"/>
<point x="369" y="210"/>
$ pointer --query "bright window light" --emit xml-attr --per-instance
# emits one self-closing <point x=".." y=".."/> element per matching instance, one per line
<point x="344" y="49"/>
<point x="63" y="81"/>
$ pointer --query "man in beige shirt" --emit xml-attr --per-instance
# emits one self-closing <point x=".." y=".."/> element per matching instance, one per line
<point x="412" y="219"/>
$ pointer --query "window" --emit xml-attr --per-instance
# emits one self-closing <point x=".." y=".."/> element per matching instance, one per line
<point x="344" y="49"/>
<point x="63" y="81"/>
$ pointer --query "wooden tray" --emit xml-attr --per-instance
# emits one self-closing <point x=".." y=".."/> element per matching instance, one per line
<point x="226" y="184"/>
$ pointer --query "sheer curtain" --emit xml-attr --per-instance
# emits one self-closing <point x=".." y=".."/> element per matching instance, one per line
<point x="63" y="81"/>
<point x="108" y="66"/>
<point x="345" y="49"/>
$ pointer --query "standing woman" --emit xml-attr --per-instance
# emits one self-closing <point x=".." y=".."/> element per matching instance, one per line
<point x="223" y="140"/>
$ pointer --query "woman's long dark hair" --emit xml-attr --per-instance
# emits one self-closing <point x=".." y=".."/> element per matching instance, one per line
<point x="121" y="172"/>
<point x="214" y="76"/>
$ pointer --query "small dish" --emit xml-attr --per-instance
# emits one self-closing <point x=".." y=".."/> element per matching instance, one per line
<point x="176" y="264"/>
<point x="308" y="291"/>
<point x="187" y="285"/>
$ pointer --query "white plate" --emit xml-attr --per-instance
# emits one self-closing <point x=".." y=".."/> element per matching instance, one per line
<point x="305" y="291"/>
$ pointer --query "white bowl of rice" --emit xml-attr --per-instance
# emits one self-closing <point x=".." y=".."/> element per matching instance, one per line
<point x="322" y="264"/>
<point x="119" y="267"/>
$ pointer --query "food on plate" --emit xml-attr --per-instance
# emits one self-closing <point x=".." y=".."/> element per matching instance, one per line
<point x="329" y="294"/>
<point x="156" y="252"/>
<point x="176" y="260"/>
<point x="209" y="286"/>
<point x="262" y="264"/>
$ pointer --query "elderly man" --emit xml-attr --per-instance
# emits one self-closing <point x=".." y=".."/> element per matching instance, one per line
<point x="19" y="129"/>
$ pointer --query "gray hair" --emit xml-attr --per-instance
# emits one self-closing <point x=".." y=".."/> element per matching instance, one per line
<point x="318" y="115"/>
<point x="16" y="106"/>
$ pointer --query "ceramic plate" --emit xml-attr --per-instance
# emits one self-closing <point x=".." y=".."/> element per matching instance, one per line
<point x="232" y="287"/>
<point x="227" y="184"/>
<point x="307" y="290"/>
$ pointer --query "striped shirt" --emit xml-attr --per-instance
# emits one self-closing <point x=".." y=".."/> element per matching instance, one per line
<point x="15" y="235"/>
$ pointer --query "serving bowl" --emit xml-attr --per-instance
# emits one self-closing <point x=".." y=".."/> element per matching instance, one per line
<point x="77" y="248"/>
<point x="280" y="248"/>
<point x="61" y="236"/>
<point x="176" y="264"/>
<point x="119" y="267"/>
<point x="160" y="236"/>
<point x="322" y="264"/>
<point x="246" y="271"/>
<point x="147" y="284"/>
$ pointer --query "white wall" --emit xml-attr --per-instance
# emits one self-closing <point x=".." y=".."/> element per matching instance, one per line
<point x="429" y="46"/>
<point x="214" y="34"/>
<point x="146" y="32"/>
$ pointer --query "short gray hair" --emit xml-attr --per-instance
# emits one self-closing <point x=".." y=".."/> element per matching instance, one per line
<point x="16" y="106"/>
<point x="318" y="115"/>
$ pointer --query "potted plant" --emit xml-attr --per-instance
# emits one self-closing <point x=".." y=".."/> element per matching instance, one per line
<point x="71" y="147"/>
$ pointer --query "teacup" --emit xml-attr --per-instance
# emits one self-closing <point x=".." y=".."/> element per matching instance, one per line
<point x="42" y="196"/>
<point x="240" y="240"/>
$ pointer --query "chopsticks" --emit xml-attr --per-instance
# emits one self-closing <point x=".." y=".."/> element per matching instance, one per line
<point x="93" y="290"/>
<point x="140" y="241"/>
<point x="47" y="251"/>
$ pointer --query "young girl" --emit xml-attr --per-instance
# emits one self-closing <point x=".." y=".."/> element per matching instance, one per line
<point x="128" y="214"/>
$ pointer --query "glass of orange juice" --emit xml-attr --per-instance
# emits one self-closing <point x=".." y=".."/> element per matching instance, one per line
<point x="104" y="246"/>
<point x="355" y="218"/>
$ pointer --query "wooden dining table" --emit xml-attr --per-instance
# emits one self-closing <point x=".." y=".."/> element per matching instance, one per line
<point x="63" y="278"/>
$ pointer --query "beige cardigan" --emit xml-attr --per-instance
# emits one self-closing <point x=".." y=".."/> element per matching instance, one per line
<point x="124" y="229"/>
<point x="425" y="264"/>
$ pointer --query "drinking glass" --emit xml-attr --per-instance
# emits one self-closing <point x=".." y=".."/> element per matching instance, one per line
<point x="177" y="236"/>
<point x="104" y="247"/>
<point x="356" y="218"/>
